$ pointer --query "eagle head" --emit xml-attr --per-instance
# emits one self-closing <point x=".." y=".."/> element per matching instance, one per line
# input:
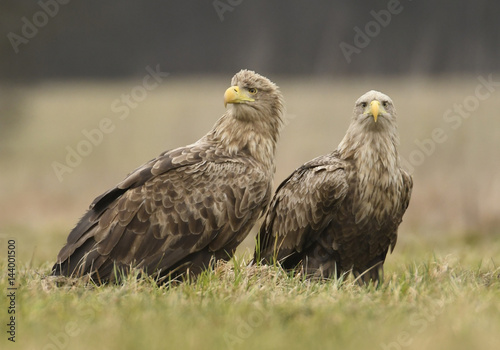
<point x="374" y="109"/>
<point x="252" y="95"/>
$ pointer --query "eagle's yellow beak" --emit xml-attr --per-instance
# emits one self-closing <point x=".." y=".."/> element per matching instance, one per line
<point x="374" y="109"/>
<point x="234" y="95"/>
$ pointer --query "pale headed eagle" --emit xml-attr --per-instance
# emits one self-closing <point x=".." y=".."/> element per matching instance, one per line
<point x="340" y="212"/>
<point x="190" y="206"/>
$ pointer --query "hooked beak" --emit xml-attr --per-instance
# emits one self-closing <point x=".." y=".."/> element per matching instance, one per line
<point x="374" y="109"/>
<point x="235" y="95"/>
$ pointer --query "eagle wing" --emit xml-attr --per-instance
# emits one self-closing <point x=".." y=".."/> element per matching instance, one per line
<point x="303" y="205"/>
<point x="407" y="189"/>
<point x="405" y="196"/>
<point x="185" y="201"/>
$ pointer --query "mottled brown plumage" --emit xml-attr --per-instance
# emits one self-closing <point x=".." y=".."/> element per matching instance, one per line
<point x="189" y="206"/>
<point x="340" y="212"/>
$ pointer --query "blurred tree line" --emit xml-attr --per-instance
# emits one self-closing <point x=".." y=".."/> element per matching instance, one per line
<point x="54" y="39"/>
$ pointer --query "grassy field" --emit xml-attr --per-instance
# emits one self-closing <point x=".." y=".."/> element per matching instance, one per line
<point x="430" y="300"/>
<point x="442" y="285"/>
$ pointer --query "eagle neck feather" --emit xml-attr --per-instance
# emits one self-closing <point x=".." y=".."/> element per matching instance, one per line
<point x="256" y="137"/>
<point x="376" y="175"/>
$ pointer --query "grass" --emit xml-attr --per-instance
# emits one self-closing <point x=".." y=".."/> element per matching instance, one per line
<point x="433" y="302"/>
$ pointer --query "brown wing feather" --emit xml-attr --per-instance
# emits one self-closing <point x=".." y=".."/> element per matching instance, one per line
<point x="303" y="204"/>
<point x="165" y="211"/>
<point x="405" y="201"/>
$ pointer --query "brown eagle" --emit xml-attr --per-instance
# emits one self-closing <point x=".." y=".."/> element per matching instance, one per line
<point x="191" y="205"/>
<point x="340" y="212"/>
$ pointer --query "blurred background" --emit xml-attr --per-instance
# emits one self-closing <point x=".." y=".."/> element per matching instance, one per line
<point x="91" y="90"/>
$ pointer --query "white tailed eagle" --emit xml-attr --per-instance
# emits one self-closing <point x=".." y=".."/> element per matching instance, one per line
<point x="190" y="206"/>
<point x="340" y="212"/>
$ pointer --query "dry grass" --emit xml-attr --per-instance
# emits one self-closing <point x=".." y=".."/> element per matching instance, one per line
<point x="437" y="303"/>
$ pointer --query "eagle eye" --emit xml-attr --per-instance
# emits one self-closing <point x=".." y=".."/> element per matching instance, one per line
<point x="364" y="104"/>
<point x="253" y="91"/>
